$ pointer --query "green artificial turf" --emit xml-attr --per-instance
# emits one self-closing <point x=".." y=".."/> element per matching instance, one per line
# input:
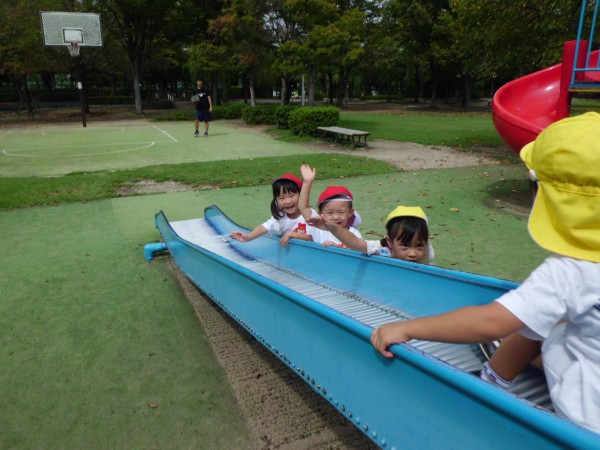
<point x="93" y="335"/>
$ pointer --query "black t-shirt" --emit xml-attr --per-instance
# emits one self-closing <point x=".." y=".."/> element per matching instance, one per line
<point x="203" y="93"/>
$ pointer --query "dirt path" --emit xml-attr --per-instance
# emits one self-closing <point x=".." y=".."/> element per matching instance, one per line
<point x="410" y="156"/>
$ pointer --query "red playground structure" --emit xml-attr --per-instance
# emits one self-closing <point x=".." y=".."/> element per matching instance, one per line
<point x="522" y="108"/>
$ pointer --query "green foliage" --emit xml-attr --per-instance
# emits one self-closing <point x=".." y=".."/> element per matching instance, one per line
<point x="262" y="114"/>
<point x="232" y="111"/>
<point x="181" y="115"/>
<point x="225" y="112"/>
<point x="305" y="120"/>
<point x="282" y="115"/>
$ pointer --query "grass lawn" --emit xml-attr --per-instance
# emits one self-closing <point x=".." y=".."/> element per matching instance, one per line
<point x="456" y="130"/>
<point x="100" y="349"/>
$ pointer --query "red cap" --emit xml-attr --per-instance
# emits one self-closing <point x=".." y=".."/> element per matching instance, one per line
<point x="334" y="191"/>
<point x="289" y="176"/>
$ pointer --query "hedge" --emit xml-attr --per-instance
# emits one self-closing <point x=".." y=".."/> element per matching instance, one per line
<point x="306" y="119"/>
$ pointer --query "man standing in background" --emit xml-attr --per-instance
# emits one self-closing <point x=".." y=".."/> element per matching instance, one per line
<point x="203" y="106"/>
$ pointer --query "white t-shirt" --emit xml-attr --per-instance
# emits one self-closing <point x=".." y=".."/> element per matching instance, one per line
<point x="375" y="248"/>
<point x="565" y="289"/>
<point x="274" y="226"/>
<point x="321" y="236"/>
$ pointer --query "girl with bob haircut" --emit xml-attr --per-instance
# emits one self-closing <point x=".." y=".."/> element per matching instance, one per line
<point x="286" y="219"/>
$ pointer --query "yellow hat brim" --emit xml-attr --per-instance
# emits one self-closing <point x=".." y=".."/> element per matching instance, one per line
<point x="406" y="211"/>
<point x="566" y="222"/>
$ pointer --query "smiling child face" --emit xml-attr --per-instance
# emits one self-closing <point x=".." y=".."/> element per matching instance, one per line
<point x="337" y="211"/>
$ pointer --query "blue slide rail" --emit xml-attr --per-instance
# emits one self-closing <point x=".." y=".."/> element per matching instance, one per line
<point x="411" y="401"/>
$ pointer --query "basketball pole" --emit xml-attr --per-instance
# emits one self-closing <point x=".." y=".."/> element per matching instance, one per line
<point x="80" y="88"/>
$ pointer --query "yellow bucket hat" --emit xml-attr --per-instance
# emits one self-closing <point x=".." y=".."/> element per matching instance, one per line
<point x="565" y="160"/>
<point x="404" y="211"/>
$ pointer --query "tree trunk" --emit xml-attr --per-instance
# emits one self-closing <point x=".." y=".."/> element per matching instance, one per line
<point x="467" y="85"/>
<point x="214" y="84"/>
<point x="24" y="97"/>
<point x="252" y="91"/>
<point x="312" y="82"/>
<point x="330" y="88"/>
<point x="137" y="94"/>
<point x="286" y="92"/>
<point x="418" y="82"/>
<point x="434" y="85"/>
<point x="341" y="90"/>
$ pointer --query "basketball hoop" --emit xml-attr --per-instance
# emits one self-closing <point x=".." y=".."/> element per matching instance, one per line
<point x="73" y="48"/>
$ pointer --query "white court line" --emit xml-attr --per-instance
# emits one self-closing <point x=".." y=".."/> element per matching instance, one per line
<point x="151" y="144"/>
<point x="104" y="133"/>
<point x="165" y="133"/>
<point x="88" y="145"/>
<point x="5" y="134"/>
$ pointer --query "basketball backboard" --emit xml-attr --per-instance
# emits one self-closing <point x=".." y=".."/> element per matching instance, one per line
<point x="63" y="28"/>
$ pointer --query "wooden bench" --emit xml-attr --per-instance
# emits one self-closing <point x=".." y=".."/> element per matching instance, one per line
<point x="346" y="135"/>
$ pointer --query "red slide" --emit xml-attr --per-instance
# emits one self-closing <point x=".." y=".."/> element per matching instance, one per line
<point x="522" y="108"/>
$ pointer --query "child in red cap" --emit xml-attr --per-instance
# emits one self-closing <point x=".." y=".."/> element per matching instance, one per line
<point x="286" y="219"/>
<point x="334" y="205"/>
<point x="557" y="308"/>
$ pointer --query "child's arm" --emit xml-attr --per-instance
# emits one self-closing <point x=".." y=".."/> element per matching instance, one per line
<point x="308" y="175"/>
<point x="285" y="239"/>
<point x="258" y="231"/>
<point x="345" y="236"/>
<point x="472" y="324"/>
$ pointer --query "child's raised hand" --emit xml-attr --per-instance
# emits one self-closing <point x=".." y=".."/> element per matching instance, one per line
<point x="386" y="335"/>
<point x="308" y="174"/>
<point x="317" y="222"/>
<point x="239" y="236"/>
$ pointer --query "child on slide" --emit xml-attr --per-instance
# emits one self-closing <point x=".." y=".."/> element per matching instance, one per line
<point x="558" y="305"/>
<point x="334" y="205"/>
<point x="286" y="219"/>
<point x="407" y="236"/>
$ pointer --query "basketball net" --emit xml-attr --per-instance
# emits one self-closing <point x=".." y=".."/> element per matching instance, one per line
<point x="73" y="48"/>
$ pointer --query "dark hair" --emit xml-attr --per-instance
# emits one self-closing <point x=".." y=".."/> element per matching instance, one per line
<point x="405" y="228"/>
<point x="279" y="186"/>
<point x="335" y="197"/>
<point x="200" y="79"/>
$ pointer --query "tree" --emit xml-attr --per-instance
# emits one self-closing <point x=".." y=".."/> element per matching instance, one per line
<point x="417" y="27"/>
<point x="508" y="39"/>
<point x="22" y="50"/>
<point x="239" y="40"/>
<point x="146" y="29"/>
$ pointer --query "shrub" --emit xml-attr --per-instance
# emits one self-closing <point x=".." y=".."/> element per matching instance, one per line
<point x="263" y="114"/>
<point x="183" y="115"/>
<point x="158" y="104"/>
<point x="232" y="111"/>
<point x="282" y="115"/>
<point x="305" y="120"/>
